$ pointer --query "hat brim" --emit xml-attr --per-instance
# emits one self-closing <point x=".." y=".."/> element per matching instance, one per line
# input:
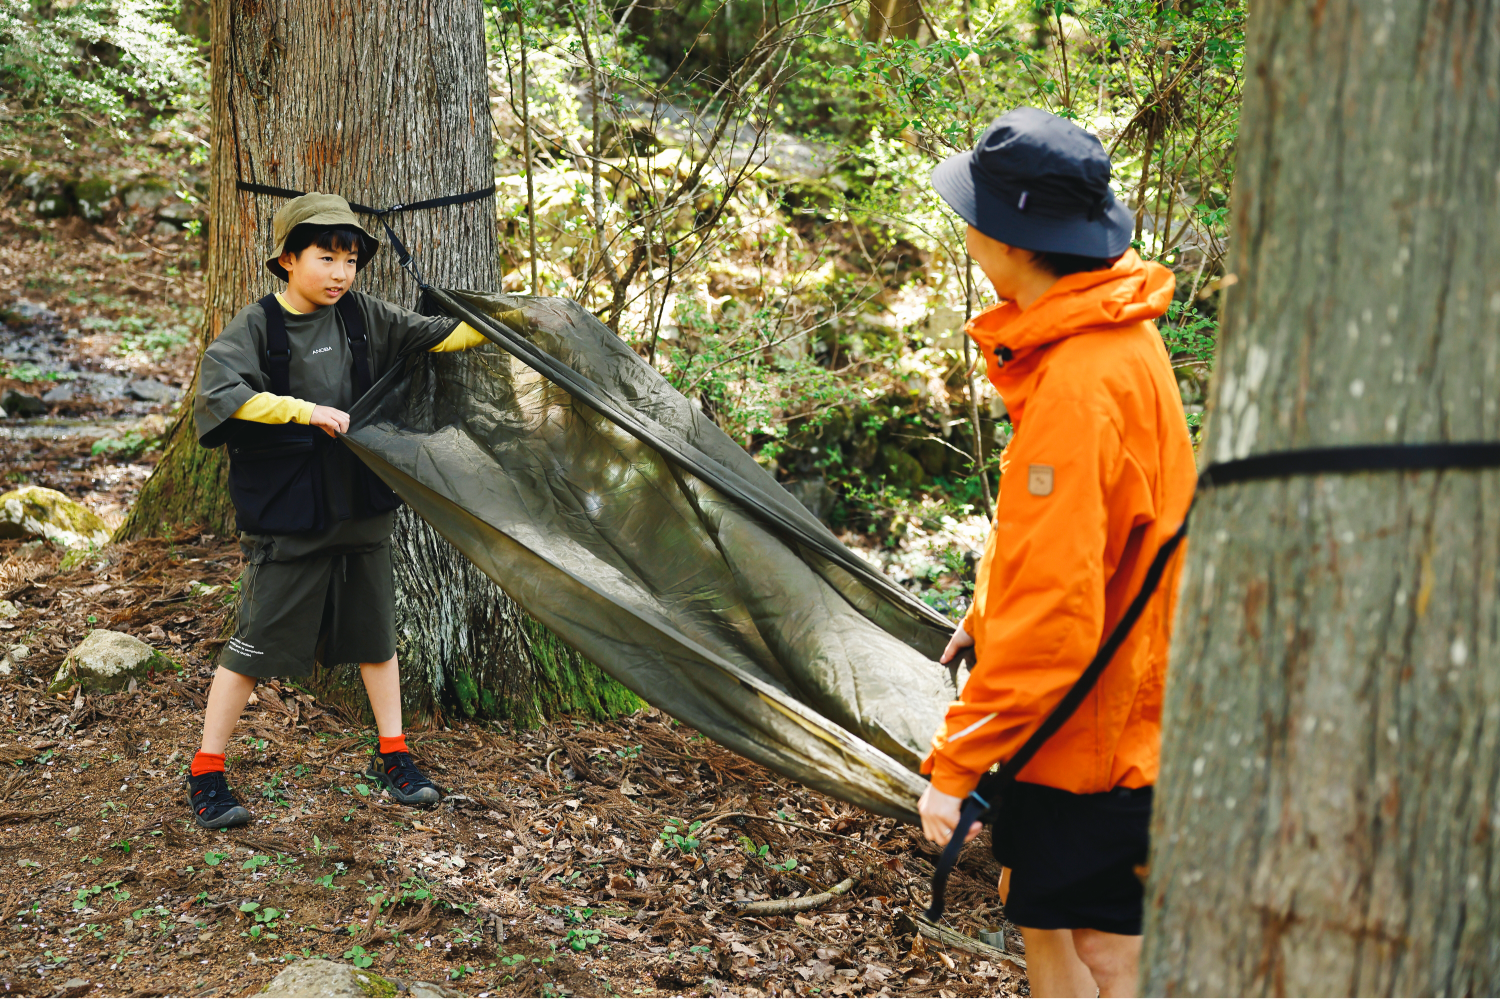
<point x="368" y="248"/>
<point x="1105" y="237"/>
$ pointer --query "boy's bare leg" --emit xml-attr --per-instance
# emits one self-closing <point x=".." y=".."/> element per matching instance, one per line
<point x="383" y="684"/>
<point x="1114" y="960"/>
<point x="226" y="702"/>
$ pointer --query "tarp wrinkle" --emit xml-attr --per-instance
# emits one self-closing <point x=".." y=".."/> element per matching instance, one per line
<point x="578" y="479"/>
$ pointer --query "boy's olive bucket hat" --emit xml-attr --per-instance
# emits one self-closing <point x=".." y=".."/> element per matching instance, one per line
<point x="1040" y="183"/>
<point x="320" y="210"/>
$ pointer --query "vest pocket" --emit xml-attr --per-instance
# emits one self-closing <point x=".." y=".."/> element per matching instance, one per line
<point x="276" y="479"/>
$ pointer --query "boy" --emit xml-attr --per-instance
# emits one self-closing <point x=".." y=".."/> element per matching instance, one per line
<point x="315" y="523"/>
<point x="1099" y="474"/>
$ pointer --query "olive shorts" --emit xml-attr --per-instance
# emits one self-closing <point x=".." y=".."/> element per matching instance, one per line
<point x="322" y="608"/>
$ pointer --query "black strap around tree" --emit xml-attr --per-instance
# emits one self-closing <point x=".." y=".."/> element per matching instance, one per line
<point x="1348" y="460"/>
<point x="403" y="255"/>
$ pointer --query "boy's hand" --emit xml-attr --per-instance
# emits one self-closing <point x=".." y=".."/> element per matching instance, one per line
<point x="940" y="813"/>
<point x="961" y="640"/>
<point x="331" y="421"/>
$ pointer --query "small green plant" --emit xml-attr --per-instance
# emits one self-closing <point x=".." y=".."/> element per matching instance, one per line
<point x="255" y="863"/>
<point x="357" y="956"/>
<point x="213" y="859"/>
<point x="363" y="789"/>
<point x="581" y="938"/>
<point x="748" y="845"/>
<point x="629" y="753"/>
<point x="679" y="834"/>
<point x="264" y="920"/>
<point x="131" y="444"/>
<point x="122" y="844"/>
<point x="326" y="881"/>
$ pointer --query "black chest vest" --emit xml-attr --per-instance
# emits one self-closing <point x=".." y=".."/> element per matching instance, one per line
<point x="279" y="473"/>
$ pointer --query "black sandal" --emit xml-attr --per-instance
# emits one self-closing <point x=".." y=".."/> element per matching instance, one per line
<point x="214" y="805"/>
<point x="401" y="777"/>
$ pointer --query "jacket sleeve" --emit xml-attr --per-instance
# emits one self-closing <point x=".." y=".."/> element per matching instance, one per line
<point x="1039" y="602"/>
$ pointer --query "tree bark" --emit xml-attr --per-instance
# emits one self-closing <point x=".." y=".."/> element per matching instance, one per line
<point x="383" y="102"/>
<point x="1326" y="816"/>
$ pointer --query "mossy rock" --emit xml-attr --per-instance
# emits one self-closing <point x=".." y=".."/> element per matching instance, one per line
<point x="93" y="196"/>
<point x="108" y="661"/>
<point x="900" y="468"/>
<point x="38" y="512"/>
<point x="933" y="456"/>
<point x="317" y="977"/>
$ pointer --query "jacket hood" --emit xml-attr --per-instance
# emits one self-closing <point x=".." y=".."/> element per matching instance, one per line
<point x="1130" y="292"/>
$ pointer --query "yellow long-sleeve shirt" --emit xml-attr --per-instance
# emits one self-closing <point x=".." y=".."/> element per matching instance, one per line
<point x="268" y="407"/>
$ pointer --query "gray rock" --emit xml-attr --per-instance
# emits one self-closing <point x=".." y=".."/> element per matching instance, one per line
<point x="108" y="660"/>
<point x="21" y="404"/>
<point x="813" y="494"/>
<point x="26" y="311"/>
<point x="150" y="390"/>
<point x="61" y="392"/>
<point x="330" y="980"/>
<point x="8" y="610"/>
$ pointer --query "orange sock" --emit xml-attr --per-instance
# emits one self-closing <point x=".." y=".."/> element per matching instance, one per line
<point x="207" y="763"/>
<point x="394" y="744"/>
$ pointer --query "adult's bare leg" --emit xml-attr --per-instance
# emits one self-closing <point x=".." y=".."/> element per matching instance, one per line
<point x="1112" y="958"/>
<point x="1053" y="967"/>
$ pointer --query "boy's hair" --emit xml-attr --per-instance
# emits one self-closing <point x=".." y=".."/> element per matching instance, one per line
<point x="324" y="237"/>
<point x="1063" y="264"/>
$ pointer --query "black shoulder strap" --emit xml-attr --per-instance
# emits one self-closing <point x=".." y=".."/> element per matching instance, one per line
<point x="278" y="360"/>
<point x="359" y="343"/>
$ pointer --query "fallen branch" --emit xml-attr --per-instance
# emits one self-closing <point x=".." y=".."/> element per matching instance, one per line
<point x="786" y="906"/>
<point x="958" y="941"/>
<point x="26" y="815"/>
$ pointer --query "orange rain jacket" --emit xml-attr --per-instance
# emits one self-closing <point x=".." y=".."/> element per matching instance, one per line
<point x="1099" y="474"/>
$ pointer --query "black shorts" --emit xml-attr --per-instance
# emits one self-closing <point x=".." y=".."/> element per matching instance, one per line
<point x="1073" y="857"/>
<point x="331" y="609"/>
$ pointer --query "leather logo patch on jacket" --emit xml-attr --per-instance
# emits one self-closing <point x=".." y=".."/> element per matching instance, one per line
<point x="1039" y="480"/>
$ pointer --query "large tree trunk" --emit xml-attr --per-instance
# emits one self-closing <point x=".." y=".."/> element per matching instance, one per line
<point x="1326" y="817"/>
<point x="383" y="102"/>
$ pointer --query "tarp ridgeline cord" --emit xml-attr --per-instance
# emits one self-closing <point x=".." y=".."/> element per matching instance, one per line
<point x="1347" y="460"/>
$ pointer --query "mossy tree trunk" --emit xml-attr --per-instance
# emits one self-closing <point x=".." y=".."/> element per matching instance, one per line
<point x="383" y="102"/>
<point x="1326" y="815"/>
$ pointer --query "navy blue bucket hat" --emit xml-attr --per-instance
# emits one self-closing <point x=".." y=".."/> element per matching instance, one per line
<point x="1040" y="183"/>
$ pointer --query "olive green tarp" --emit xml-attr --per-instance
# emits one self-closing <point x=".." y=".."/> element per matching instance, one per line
<point x="606" y="504"/>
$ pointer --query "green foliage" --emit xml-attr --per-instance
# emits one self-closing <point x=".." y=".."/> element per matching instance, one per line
<point x="131" y="444"/>
<point x="678" y="833"/>
<point x="98" y="56"/>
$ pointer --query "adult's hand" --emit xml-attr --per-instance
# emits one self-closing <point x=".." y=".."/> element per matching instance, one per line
<point x="331" y="421"/>
<point x="961" y="640"/>
<point x="940" y="813"/>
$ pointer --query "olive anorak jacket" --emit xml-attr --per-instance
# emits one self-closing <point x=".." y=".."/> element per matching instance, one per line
<point x="1099" y="473"/>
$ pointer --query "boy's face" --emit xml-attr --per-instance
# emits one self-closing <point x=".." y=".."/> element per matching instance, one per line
<point x="320" y="276"/>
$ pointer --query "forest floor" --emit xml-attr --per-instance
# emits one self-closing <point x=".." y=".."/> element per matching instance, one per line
<point x="567" y="860"/>
<point x="564" y="861"/>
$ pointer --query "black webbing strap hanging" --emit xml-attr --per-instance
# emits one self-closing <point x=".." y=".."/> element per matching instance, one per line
<point x="403" y="255"/>
<point x="359" y="343"/>
<point x="278" y="347"/>
<point x="985" y="799"/>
